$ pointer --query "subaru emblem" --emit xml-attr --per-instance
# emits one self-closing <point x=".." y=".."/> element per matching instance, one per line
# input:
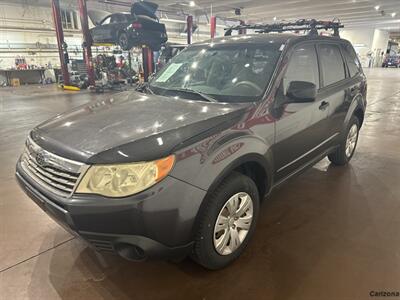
<point x="40" y="159"/>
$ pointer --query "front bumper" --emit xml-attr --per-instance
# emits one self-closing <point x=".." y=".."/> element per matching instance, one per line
<point x="156" y="223"/>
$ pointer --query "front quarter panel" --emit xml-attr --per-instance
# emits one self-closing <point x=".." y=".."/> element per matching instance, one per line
<point x="205" y="162"/>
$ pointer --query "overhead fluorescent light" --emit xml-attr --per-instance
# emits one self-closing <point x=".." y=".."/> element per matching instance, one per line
<point x="393" y="14"/>
<point x="377" y="7"/>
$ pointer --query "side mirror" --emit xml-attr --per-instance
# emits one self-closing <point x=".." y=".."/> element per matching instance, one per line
<point x="302" y="91"/>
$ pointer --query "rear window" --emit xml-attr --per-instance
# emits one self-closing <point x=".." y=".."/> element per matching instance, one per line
<point x="351" y="60"/>
<point x="331" y="64"/>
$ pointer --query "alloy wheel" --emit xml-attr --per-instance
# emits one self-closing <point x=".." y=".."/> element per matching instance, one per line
<point x="233" y="223"/>
<point x="351" y="140"/>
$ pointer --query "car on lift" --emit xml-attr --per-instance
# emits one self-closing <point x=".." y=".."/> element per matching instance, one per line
<point x="139" y="27"/>
<point x="391" y="61"/>
<point x="182" y="167"/>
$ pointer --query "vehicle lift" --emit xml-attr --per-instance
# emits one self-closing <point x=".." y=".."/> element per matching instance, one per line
<point x="312" y="26"/>
<point x="147" y="53"/>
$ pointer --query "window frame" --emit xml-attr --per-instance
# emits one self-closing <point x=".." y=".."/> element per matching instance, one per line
<point x="102" y="21"/>
<point x="289" y="56"/>
<point x="343" y="49"/>
<point x="346" y="72"/>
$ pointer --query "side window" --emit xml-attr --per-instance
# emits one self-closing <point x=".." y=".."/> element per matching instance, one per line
<point x="303" y="66"/>
<point x="351" y="60"/>
<point x="331" y="63"/>
<point x="106" y="21"/>
<point x="116" y="18"/>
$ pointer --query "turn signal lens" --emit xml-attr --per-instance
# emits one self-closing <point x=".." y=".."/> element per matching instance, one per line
<point x="122" y="180"/>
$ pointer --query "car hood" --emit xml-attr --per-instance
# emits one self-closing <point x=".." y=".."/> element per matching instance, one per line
<point x="131" y="126"/>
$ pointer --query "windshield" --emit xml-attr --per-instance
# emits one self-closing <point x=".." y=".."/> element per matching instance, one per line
<point x="227" y="73"/>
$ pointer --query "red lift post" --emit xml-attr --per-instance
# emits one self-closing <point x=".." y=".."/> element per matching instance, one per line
<point x="148" y="62"/>
<point x="213" y="26"/>
<point x="87" y="45"/>
<point x="189" y="26"/>
<point x="242" y="31"/>
<point x="55" y="6"/>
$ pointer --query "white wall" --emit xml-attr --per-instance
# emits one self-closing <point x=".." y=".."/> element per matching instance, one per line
<point x="367" y="41"/>
<point x="380" y="41"/>
<point x="28" y="31"/>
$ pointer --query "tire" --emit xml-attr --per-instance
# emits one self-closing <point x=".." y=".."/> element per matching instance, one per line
<point x="123" y="41"/>
<point x="235" y="186"/>
<point x="343" y="154"/>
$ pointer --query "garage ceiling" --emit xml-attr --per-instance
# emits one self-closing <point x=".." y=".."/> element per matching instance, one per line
<point x="383" y="14"/>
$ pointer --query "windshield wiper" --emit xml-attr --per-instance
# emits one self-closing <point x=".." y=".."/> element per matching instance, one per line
<point x="204" y="96"/>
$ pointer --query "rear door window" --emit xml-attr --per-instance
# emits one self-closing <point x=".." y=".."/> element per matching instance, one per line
<point x="331" y="62"/>
<point x="351" y="59"/>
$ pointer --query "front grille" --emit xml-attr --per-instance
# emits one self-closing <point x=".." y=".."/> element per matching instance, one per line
<point x="54" y="173"/>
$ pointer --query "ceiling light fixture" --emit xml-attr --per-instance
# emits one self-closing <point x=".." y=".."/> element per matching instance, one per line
<point x="377" y="7"/>
<point x="192" y="3"/>
<point x="393" y="14"/>
<point x="274" y="18"/>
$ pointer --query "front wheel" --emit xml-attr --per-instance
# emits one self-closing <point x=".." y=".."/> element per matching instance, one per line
<point x="345" y="152"/>
<point x="227" y="222"/>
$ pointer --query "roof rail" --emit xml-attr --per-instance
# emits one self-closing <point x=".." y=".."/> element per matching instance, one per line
<point x="312" y="26"/>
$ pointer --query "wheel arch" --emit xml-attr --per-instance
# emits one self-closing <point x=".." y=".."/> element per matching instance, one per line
<point x="253" y="165"/>
<point x="357" y="108"/>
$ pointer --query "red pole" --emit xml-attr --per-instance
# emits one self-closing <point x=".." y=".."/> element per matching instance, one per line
<point x="55" y="6"/>
<point x="213" y="26"/>
<point x="242" y="31"/>
<point x="189" y="25"/>
<point x="87" y="47"/>
<point x="148" y="60"/>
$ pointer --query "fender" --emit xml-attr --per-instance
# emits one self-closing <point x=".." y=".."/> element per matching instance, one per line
<point x="356" y="103"/>
<point x="206" y="163"/>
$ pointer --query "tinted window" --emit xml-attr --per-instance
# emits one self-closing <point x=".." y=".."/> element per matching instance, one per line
<point x="331" y="63"/>
<point x="303" y="66"/>
<point x="351" y="60"/>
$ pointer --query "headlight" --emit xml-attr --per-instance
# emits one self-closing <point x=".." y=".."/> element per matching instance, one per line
<point x="124" y="179"/>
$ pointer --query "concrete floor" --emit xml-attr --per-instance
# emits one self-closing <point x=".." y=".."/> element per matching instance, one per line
<point x="331" y="233"/>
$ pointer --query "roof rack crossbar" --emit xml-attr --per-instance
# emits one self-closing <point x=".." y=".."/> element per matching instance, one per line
<point x="312" y="26"/>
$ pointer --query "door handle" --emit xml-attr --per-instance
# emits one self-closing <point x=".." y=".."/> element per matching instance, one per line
<point x="323" y="105"/>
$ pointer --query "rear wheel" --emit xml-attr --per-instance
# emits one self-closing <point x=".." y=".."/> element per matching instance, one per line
<point x="345" y="152"/>
<point x="227" y="222"/>
<point x="123" y="41"/>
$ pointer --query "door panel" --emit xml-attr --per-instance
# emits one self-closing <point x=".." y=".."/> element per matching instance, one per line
<point x="300" y="128"/>
<point x="336" y="87"/>
<point x="300" y="136"/>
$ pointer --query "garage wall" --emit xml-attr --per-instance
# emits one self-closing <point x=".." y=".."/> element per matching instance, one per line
<point x="27" y="31"/>
<point x="367" y="42"/>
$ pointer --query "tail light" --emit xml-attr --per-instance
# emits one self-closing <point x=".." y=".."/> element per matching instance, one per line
<point x="136" y="25"/>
